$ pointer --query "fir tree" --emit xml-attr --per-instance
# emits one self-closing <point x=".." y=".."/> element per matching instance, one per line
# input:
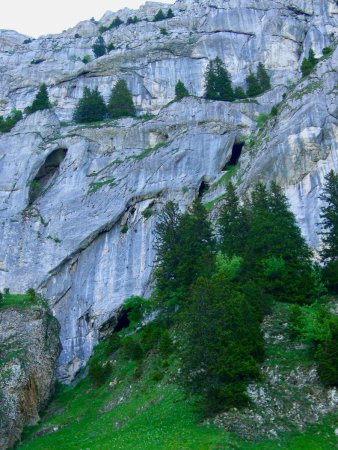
<point x="239" y="93"/>
<point x="121" y="102"/>
<point x="90" y="108"/>
<point x="253" y="86"/>
<point x="7" y="124"/>
<point x="263" y="78"/>
<point x="170" y="14"/>
<point x="309" y="63"/>
<point x="181" y="91"/>
<point x="41" y="100"/>
<point x="232" y="224"/>
<point x="159" y="16"/>
<point x="218" y="84"/>
<point x="99" y="47"/>
<point x="329" y="216"/>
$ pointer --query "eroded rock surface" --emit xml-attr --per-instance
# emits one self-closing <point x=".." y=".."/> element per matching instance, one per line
<point x="84" y="238"/>
<point x="29" y="349"/>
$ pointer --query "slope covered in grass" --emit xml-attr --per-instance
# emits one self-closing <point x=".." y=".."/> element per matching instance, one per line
<point x="140" y="407"/>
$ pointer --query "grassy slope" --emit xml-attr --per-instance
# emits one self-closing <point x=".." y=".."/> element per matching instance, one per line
<point x="143" y="414"/>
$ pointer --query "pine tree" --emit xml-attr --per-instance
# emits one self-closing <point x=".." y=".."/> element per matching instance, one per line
<point x="329" y="216"/>
<point x="90" y="108"/>
<point x="276" y="250"/>
<point x="309" y="63"/>
<point x="218" y="84"/>
<point x="170" y="14"/>
<point x="222" y="343"/>
<point x="99" y="47"/>
<point x="7" y="124"/>
<point x="41" y="100"/>
<point x="263" y="78"/>
<point x="181" y="91"/>
<point x="121" y="101"/>
<point x="159" y="16"/>
<point x="232" y="224"/>
<point x="253" y="86"/>
<point x="239" y="93"/>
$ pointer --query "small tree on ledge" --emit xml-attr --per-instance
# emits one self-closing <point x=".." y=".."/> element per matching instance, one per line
<point x="41" y="100"/>
<point x="121" y="102"/>
<point x="181" y="91"/>
<point x="159" y="16"/>
<point x="90" y="108"/>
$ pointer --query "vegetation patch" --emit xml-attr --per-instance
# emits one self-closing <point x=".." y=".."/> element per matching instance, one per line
<point x="95" y="186"/>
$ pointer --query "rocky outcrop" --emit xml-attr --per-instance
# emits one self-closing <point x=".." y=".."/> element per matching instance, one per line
<point x="29" y="348"/>
<point x="84" y="238"/>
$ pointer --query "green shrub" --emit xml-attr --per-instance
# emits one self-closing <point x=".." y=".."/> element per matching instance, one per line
<point x="116" y="23"/>
<point x="327" y="51"/>
<point x="274" y="111"/>
<point x="113" y="344"/>
<point x="150" y="336"/>
<point x="156" y="375"/>
<point x="164" y="31"/>
<point x="124" y="229"/>
<point x="99" y="372"/>
<point x="86" y="59"/>
<point x="37" y="61"/>
<point x="261" y="119"/>
<point x="132" y="20"/>
<point x="7" y="124"/>
<point x="132" y="349"/>
<point x="308" y="64"/>
<point x="110" y="47"/>
<point x="31" y="295"/>
<point x="137" y="307"/>
<point x="166" y="346"/>
<point x="147" y="213"/>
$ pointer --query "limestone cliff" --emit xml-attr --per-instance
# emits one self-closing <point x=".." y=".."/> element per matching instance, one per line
<point x="98" y="181"/>
<point x="29" y="349"/>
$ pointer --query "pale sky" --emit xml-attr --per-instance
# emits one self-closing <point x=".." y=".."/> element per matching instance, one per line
<point x="38" y="17"/>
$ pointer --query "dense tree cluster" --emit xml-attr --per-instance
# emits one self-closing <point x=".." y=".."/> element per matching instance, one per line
<point x="92" y="108"/>
<point x="218" y="84"/>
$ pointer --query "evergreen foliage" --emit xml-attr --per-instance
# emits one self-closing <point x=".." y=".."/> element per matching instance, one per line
<point x="99" y="47"/>
<point x="263" y="78"/>
<point x="170" y="14"/>
<point x="181" y="91"/>
<point x="159" y="16"/>
<point x="218" y="84"/>
<point x="90" y="108"/>
<point x="10" y="121"/>
<point x="308" y="64"/>
<point x="253" y="86"/>
<point x="121" y="102"/>
<point x="239" y="93"/>
<point x="329" y="216"/>
<point x="41" y="100"/>
<point x="132" y="20"/>
<point x="116" y="23"/>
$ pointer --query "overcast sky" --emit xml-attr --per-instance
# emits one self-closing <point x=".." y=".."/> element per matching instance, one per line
<point x="37" y="17"/>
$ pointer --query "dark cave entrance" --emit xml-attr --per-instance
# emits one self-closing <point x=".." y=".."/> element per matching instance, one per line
<point x="122" y="322"/>
<point x="45" y="174"/>
<point x="235" y="155"/>
<point x="204" y="187"/>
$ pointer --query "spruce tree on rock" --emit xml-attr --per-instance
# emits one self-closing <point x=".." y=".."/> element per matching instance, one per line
<point x="159" y="16"/>
<point x="121" y="102"/>
<point x="253" y="86"/>
<point x="218" y="84"/>
<point x="309" y="63"/>
<point x="90" y="108"/>
<point x="329" y="216"/>
<point x="263" y="78"/>
<point x="239" y="93"/>
<point x="181" y="91"/>
<point x="41" y="100"/>
<point x="99" y="47"/>
<point x="170" y="14"/>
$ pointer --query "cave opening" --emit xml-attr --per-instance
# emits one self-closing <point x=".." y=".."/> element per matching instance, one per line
<point x="122" y="322"/>
<point x="204" y="187"/>
<point x="46" y="172"/>
<point x="235" y="155"/>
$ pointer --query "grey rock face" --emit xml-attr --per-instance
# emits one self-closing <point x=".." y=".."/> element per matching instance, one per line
<point x="29" y="349"/>
<point x="82" y="238"/>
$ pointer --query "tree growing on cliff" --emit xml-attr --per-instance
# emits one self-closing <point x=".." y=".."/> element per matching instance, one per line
<point x="41" y="100"/>
<point x="181" y="91"/>
<point x="159" y="16"/>
<point x="218" y="84"/>
<point x="121" y="102"/>
<point x="99" y="47"/>
<point x="170" y="14"/>
<point x="308" y="64"/>
<point x="253" y="86"/>
<point x="329" y="216"/>
<point x="263" y="78"/>
<point x="90" y="108"/>
<point x="10" y="121"/>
